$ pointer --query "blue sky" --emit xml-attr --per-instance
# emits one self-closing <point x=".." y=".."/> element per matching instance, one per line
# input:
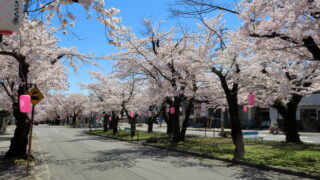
<point x="92" y="36"/>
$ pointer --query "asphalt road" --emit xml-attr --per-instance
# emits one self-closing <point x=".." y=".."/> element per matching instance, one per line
<point x="304" y="136"/>
<point x="71" y="154"/>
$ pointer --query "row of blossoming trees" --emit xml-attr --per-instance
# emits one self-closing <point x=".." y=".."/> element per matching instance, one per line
<point x="273" y="54"/>
<point x="31" y="57"/>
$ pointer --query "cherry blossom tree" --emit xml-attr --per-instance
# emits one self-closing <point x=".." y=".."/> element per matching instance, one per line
<point x="32" y="56"/>
<point x="153" y="97"/>
<point x="102" y="100"/>
<point x="117" y="96"/>
<point x="291" y="27"/>
<point x="274" y="27"/>
<point x="47" y="10"/>
<point x="225" y="57"/>
<point x="278" y="25"/>
<point x="289" y="30"/>
<point x="66" y="107"/>
<point x="281" y="80"/>
<point x="169" y="62"/>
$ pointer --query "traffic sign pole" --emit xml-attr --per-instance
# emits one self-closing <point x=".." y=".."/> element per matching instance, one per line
<point x="36" y="97"/>
<point x="30" y="138"/>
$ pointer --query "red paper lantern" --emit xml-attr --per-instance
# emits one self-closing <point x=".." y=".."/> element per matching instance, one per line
<point x="245" y="108"/>
<point x="110" y="118"/>
<point x="132" y="114"/>
<point x="11" y="16"/>
<point x="172" y="110"/>
<point x="168" y="110"/>
<point x="251" y="98"/>
<point x="25" y="104"/>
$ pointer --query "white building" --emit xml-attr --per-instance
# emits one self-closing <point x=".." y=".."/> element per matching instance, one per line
<point x="308" y="113"/>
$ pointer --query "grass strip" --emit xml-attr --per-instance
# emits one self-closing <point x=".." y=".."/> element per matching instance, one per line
<point x="300" y="157"/>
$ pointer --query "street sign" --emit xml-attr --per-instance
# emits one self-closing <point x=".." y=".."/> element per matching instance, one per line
<point x="36" y="96"/>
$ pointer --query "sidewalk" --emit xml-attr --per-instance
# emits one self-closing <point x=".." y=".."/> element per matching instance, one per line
<point x="308" y="137"/>
<point x="17" y="170"/>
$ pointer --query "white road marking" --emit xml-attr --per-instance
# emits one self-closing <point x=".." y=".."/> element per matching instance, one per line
<point x="55" y="130"/>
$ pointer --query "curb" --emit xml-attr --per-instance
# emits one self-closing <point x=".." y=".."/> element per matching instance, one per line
<point x="40" y="168"/>
<point x="258" y="166"/>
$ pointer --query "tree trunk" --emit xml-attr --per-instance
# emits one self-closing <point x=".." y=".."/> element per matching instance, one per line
<point x="18" y="146"/>
<point x="288" y="112"/>
<point x="186" y="119"/>
<point x="74" y="120"/>
<point x="133" y="126"/>
<point x="168" y="121"/>
<point x="150" y="124"/>
<point x="176" y="121"/>
<point x="106" y="123"/>
<point x="115" y="121"/>
<point x="236" y="132"/>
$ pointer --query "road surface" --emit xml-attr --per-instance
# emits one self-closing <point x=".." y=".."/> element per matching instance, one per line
<point x="71" y="154"/>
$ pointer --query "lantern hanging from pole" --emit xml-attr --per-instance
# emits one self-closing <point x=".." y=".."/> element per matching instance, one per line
<point x="251" y="98"/>
<point x="132" y="114"/>
<point x="110" y="118"/>
<point x="25" y="104"/>
<point x="245" y="108"/>
<point x="168" y="110"/>
<point x="172" y="110"/>
<point x="11" y="16"/>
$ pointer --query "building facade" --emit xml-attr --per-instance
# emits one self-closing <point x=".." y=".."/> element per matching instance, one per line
<point x="308" y="116"/>
<point x="308" y="113"/>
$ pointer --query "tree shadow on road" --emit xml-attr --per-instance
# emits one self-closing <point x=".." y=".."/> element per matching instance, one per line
<point x="129" y="155"/>
<point x="257" y="174"/>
